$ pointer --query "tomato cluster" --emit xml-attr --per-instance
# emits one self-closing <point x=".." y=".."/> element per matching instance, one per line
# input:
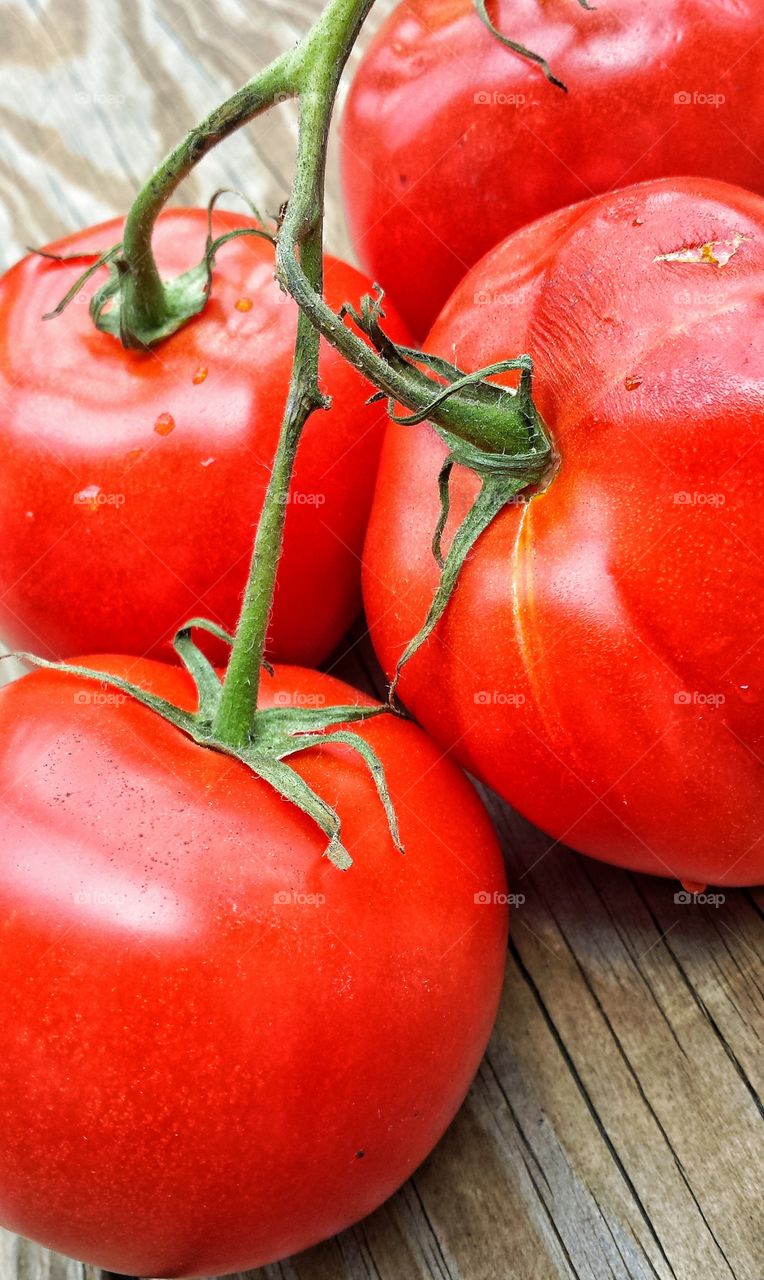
<point x="217" y="1047"/>
<point x="450" y="142"/>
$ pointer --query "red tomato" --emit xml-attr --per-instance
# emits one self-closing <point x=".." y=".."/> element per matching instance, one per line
<point x="451" y="141"/>
<point x="601" y="663"/>
<point x="218" y="1048"/>
<point x="132" y="483"/>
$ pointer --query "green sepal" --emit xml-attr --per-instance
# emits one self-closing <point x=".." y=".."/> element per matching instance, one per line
<point x="183" y="297"/>
<point x="502" y="478"/>
<point x="277" y="734"/>
<point x="496" y="491"/>
<point x="101" y="260"/>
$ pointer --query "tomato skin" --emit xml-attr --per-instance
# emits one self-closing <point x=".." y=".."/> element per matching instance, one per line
<point x="197" y="1076"/>
<point x="434" y="159"/>
<point x="132" y="483"/>
<point x="600" y="663"/>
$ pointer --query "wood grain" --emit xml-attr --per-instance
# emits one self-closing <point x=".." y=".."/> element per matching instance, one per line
<point x="614" y="1131"/>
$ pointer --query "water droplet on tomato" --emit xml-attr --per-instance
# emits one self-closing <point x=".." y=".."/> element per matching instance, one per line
<point x="747" y="694"/>
<point x="88" y="497"/>
<point x="164" y="424"/>
<point x="693" y="886"/>
<point x="29" y="515"/>
<point x="244" y="304"/>
<point x="134" y="454"/>
<point x="632" y="382"/>
<point x="200" y="375"/>
<point x="206" y="462"/>
<point x="638" y="222"/>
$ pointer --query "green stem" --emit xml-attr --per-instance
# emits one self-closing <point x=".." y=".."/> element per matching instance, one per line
<point x="143" y="297"/>
<point x="322" y="60"/>
<point x="493" y="427"/>
<point x="145" y="310"/>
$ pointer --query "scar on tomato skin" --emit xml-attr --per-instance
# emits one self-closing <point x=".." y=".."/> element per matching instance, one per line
<point x="714" y="253"/>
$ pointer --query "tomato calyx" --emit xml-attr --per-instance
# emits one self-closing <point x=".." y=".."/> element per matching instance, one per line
<point x="464" y="408"/>
<point x="116" y="308"/>
<point x="505" y="478"/>
<point x="482" y="12"/>
<point x="524" y="459"/>
<point x="276" y="734"/>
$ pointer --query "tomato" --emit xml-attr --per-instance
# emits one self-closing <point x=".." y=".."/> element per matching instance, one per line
<point x="217" y="1048"/>
<point x="601" y="663"/>
<point x="132" y="482"/>
<point x="451" y="141"/>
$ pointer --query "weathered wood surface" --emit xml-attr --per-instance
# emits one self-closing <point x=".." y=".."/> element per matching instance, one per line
<point x="614" y="1130"/>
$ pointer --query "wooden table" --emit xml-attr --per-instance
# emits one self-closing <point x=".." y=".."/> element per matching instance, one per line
<point x="614" y="1128"/>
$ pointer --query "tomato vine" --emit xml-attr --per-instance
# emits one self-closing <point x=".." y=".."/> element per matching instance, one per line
<point x="494" y="430"/>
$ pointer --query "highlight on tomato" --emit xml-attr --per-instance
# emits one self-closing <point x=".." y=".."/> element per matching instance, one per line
<point x="600" y="663"/>
<point x="452" y="141"/>
<point x="132" y="481"/>
<point x="218" y="1048"/>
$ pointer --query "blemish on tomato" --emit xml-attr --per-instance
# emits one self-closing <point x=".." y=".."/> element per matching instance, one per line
<point x="134" y="454"/>
<point x="164" y="424"/>
<point x="200" y="375"/>
<point x="632" y="382"/>
<point x="244" y="304"/>
<point x="714" y="253"/>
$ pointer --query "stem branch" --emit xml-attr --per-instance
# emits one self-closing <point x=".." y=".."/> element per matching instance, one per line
<point x="322" y="60"/>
